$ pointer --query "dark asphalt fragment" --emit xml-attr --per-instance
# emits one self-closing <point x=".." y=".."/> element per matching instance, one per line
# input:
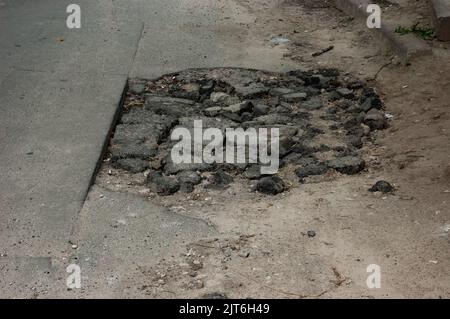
<point x="349" y="165"/>
<point x="162" y="185"/>
<point x="311" y="170"/>
<point x="220" y="180"/>
<point x="382" y="186"/>
<point x="134" y="165"/>
<point x="271" y="185"/>
<point x="375" y="119"/>
<point x="311" y="233"/>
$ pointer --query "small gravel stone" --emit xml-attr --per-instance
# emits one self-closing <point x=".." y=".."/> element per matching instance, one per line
<point x="349" y="165"/>
<point x="294" y="97"/>
<point x="370" y="103"/>
<point x="314" y="103"/>
<point x="239" y="108"/>
<point x="310" y="170"/>
<point x="189" y="177"/>
<point x="260" y="109"/>
<point x="134" y="165"/>
<point x="219" y="97"/>
<point x="253" y="90"/>
<point x="333" y="96"/>
<point x="220" y="180"/>
<point x="212" y="111"/>
<point x="271" y="185"/>
<point x="382" y="186"/>
<point x="375" y="119"/>
<point x="346" y="93"/>
<point x="311" y="233"/>
<point x="162" y="185"/>
<point x="253" y="172"/>
<point x="280" y="91"/>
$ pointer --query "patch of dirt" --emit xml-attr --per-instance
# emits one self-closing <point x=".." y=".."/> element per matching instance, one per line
<point x="405" y="232"/>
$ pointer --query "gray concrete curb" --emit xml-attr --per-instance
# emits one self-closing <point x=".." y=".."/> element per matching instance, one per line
<point x="440" y="10"/>
<point x="407" y="47"/>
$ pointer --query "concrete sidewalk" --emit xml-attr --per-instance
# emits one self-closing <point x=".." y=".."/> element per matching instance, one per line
<point x="60" y="89"/>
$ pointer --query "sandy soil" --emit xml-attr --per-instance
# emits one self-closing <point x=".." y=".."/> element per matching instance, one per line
<point x="264" y="249"/>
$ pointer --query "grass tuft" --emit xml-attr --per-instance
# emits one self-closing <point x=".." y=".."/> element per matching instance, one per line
<point x="425" y="33"/>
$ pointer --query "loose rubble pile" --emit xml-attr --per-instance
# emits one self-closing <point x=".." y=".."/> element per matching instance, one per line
<point x="323" y="118"/>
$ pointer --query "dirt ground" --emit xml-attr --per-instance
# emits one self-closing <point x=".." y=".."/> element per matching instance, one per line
<point x="264" y="250"/>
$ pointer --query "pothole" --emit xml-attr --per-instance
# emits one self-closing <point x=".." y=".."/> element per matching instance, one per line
<point x="323" y="119"/>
